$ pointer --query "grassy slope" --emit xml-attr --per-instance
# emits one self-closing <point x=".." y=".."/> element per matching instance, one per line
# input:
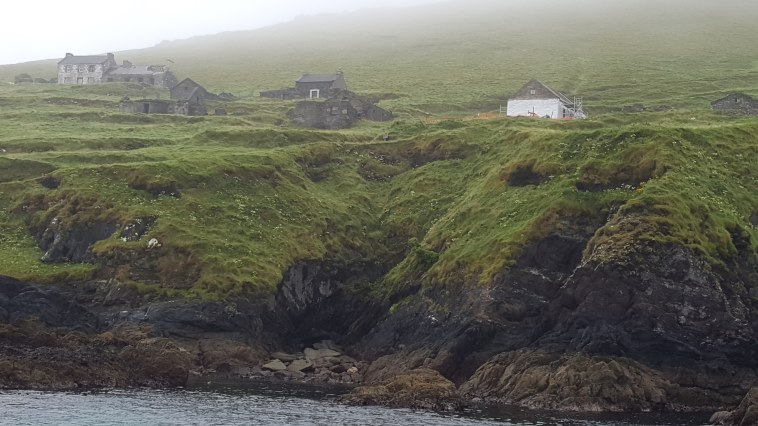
<point x="462" y="56"/>
<point x="257" y="197"/>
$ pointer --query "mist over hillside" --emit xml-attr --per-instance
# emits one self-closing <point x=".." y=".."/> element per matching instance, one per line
<point x="471" y="54"/>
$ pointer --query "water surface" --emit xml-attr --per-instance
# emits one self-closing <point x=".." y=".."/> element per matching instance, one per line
<point x="266" y="405"/>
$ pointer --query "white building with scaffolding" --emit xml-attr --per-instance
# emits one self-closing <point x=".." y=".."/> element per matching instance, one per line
<point x="536" y="99"/>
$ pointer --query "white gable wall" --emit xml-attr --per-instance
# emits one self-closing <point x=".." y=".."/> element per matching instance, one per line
<point x="539" y="107"/>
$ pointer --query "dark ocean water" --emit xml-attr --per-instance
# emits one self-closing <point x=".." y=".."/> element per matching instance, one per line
<point x="265" y="405"/>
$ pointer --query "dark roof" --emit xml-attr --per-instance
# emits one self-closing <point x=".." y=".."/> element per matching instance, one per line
<point x="83" y="60"/>
<point x="319" y="78"/>
<point x="738" y="95"/>
<point x="189" y="81"/>
<point x="542" y="90"/>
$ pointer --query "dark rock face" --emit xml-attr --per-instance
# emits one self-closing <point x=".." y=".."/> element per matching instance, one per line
<point x="311" y="304"/>
<point x="21" y="302"/>
<point x="678" y="333"/>
<point x="134" y="230"/>
<point x="672" y="309"/>
<point x="71" y="244"/>
<point x="48" y="341"/>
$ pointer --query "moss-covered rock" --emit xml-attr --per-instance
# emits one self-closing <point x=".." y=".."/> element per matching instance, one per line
<point x="422" y="389"/>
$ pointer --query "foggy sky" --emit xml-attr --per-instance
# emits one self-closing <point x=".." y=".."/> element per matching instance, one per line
<point x="44" y="29"/>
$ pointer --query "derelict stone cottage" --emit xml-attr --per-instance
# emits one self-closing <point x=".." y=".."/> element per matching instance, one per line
<point x="192" y="95"/>
<point x="320" y="85"/>
<point x="187" y="98"/>
<point x="536" y="99"/>
<point x="84" y="69"/>
<point x="97" y="69"/>
<point x="311" y="86"/>
<point x="340" y="111"/>
<point x="189" y="90"/>
<point x="154" y="75"/>
<point x="736" y="103"/>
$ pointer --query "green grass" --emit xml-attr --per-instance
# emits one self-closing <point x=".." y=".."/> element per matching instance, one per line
<point x="236" y="200"/>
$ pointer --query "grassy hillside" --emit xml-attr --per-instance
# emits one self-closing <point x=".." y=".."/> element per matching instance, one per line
<point x="236" y="200"/>
<point x="458" y="57"/>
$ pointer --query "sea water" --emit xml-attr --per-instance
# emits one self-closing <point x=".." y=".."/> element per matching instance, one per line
<point x="269" y="405"/>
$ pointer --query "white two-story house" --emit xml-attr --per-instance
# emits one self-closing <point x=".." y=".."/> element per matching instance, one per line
<point x="75" y="69"/>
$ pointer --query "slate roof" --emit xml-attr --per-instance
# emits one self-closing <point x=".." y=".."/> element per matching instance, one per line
<point x="83" y="60"/>
<point x="319" y="78"/>
<point x="188" y="81"/>
<point x="735" y="96"/>
<point x="543" y="92"/>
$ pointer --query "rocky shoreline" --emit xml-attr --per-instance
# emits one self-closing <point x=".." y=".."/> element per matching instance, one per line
<point x="553" y="332"/>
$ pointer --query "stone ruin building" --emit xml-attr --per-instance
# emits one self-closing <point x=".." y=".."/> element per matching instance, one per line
<point x="311" y="86"/>
<point x="736" y="103"/>
<point x="340" y="111"/>
<point x="98" y="69"/>
<point x="187" y="98"/>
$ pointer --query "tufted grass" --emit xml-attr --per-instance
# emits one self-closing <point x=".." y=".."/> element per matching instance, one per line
<point x="438" y="204"/>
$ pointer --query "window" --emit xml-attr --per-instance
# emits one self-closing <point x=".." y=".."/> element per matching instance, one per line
<point x="90" y="80"/>
<point x="91" y="68"/>
<point x="68" y="68"/>
<point x="80" y="80"/>
<point x="82" y="68"/>
<point x="532" y="91"/>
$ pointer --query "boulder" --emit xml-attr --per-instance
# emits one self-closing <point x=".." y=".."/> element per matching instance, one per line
<point x="746" y="414"/>
<point x="418" y="389"/>
<point x="160" y="358"/>
<point x="315" y="354"/>
<point x="284" y="357"/>
<point x="339" y="369"/>
<point x="300" y="365"/>
<point x="275" y="365"/>
<point x="570" y="382"/>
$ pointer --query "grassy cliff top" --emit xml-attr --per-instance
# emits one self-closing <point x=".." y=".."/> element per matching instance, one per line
<point x="236" y="200"/>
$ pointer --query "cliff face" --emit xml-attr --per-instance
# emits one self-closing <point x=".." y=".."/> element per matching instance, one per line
<point x="658" y="329"/>
<point x="655" y="329"/>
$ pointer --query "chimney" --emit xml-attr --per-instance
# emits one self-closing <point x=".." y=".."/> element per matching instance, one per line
<point x="127" y="64"/>
<point x="68" y="55"/>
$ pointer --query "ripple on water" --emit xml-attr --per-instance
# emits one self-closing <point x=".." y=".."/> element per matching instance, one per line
<point x="271" y="407"/>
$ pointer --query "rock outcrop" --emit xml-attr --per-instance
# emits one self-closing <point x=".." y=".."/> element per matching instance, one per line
<point x="418" y="389"/>
<point x="744" y="415"/>
<point x="571" y="383"/>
